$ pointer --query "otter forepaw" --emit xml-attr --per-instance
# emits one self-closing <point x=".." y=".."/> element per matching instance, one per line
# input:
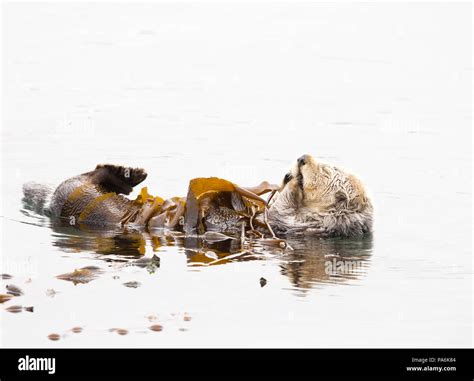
<point x="117" y="178"/>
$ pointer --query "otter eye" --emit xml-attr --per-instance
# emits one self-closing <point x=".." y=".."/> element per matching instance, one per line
<point x="287" y="178"/>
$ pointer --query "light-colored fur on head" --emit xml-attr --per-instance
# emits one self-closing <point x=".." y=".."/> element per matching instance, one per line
<point x="321" y="199"/>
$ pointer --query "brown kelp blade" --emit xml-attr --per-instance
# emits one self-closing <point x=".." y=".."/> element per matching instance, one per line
<point x="262" y="188"/>
<point x="206" y="193"/>
<point x="198" y="188"/>
<point x="5" y="298"/>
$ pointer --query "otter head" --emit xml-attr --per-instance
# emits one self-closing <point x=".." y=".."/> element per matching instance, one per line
<point x="308" y="185"/>
<point x="313" y="190"/>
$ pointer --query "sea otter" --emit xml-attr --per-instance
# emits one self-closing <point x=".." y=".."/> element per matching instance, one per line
<point x="320" y="199"/>
<point x="314" y="198"/>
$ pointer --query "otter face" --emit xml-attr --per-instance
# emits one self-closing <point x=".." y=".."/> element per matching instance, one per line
<point x="308" y="184"/>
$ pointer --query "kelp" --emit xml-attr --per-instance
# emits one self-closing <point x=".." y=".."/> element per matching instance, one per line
<point x="218" y="204"/>
<point x="4" y="298"/>
<point x="214" y="208"/>
<point x="150" y="206"/>
<point x="159" y="213"/>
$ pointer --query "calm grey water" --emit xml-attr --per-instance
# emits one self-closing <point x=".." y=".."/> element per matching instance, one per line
<point x="240" y="92"/>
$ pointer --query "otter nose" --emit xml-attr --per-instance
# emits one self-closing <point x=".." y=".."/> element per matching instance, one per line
<point x="302" y="160"/>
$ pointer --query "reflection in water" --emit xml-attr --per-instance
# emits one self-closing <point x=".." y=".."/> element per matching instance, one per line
<point x="311" y="262"/>
<point x="326" y="261"/>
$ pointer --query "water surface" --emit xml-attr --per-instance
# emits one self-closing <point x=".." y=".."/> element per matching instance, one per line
<point x="240" y="92"/>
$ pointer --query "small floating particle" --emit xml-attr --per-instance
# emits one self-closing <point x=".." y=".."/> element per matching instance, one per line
<point x="152" y="318"/>
<point x="54" y="337"/>
<point x="156" y="327"/>
<point x="132" y="284"/>
<point x="273" y="242"/>
<point x="51" y="292"/>
<point x="14" y="290"/>
<point x="186" y="317"/>
<point x="15" y="309"/>
<point x="263" y="282"/>
<point x="6" y="276"/>
<point x="29" y="309"/>
<point x="84" y="275"/>
<point x="4" y="298"/>
<point x="183" y="329"/>
<point x="77" y="329"/>
<point x="120" y="331"/>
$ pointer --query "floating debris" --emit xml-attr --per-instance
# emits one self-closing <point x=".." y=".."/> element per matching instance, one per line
<point x="14" y="290"/>
<point x="84" y="275"/>
<point x="212" y="237"/>
<point x="4" y="298"/>
<point x="120" y="331"/>
<point x="186" y="317"/>
<point x="6" y="276"/>
<point x="156" y="327"/>
<point x="29" y="309"/>
<point x="51" y="292"/>
<point x="152" y="317"/>
<point x="54" y="337"/>
<point x="144" y="262"/>
<point x="15" y="309"/>
<point x="132" y="284"/>
<point x="273" y="242"/>
<point x="263" y="282"/>
<point x="76" y="329"/>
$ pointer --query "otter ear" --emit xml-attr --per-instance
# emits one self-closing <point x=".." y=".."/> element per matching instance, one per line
<point x="117" y="178"/>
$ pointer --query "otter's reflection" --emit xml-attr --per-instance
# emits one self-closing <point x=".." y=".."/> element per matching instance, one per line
<point x="326" y="261"/>
<point x="311" y="261"/>
<point x="124" y="243"/>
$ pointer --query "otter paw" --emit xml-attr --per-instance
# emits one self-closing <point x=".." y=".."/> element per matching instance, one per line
<point x="117" y="178"/>
<point x="130" y="176"/>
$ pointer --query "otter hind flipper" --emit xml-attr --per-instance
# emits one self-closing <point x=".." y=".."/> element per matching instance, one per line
<point x="117" y="178"/>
